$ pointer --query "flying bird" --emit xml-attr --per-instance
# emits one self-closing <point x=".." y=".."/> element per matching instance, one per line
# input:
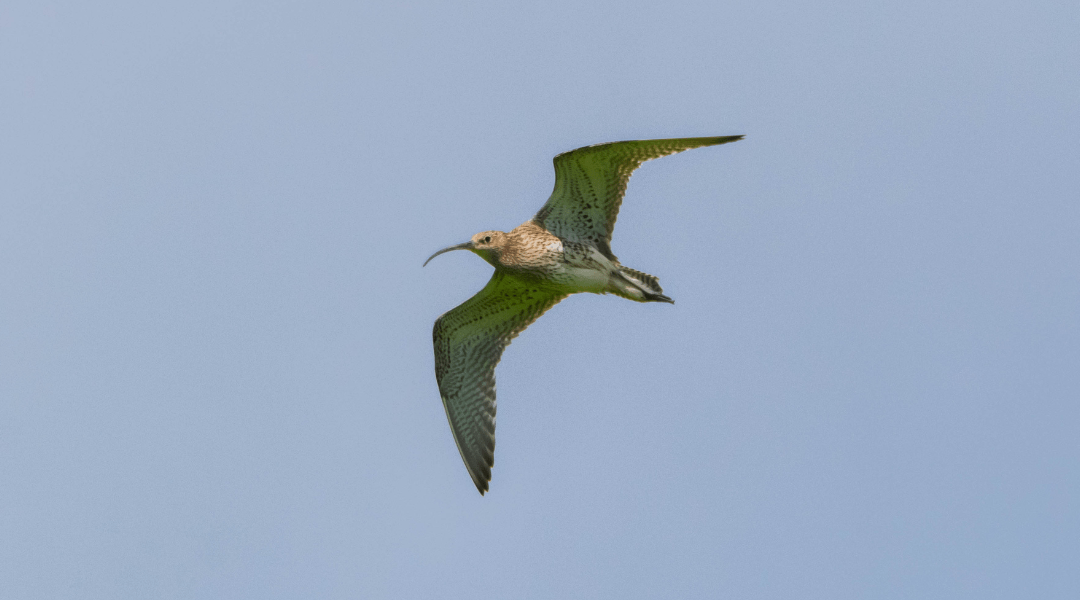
<point x="563" y="250"/>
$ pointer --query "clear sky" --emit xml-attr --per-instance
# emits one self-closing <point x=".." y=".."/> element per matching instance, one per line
<point x="216" y="373"/>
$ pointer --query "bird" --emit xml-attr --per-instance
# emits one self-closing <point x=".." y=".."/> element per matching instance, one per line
<point x="564" y="249"/>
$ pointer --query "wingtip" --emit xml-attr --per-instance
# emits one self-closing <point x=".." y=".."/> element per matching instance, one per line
<point x="724" y="139"/>
<point x="481" y="486"/>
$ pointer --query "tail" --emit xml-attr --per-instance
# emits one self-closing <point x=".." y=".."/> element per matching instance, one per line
<point x="638" y="286"/>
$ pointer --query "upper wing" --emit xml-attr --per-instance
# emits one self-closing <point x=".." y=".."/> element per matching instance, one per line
<point x="590" y="183"/>
<point x="469" y="341"/>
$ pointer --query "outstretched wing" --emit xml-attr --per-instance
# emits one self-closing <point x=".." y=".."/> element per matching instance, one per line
<point x="590" y="183"/>
<point x="469" y="341"/>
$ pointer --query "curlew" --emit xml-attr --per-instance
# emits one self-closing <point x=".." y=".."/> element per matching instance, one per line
<point x="563" y="250"/>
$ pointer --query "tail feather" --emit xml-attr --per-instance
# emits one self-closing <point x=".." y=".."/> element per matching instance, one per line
<point x="648" y="285"/>
<point x="644" y="279"/>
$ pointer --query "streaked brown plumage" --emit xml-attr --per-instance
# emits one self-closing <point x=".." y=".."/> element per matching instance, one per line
<point x="564" y="249"/>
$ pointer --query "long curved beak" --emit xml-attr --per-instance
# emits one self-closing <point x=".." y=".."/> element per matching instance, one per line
<point x="465" y="246"/>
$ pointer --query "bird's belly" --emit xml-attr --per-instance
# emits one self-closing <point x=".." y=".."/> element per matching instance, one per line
<point x="583" y="279"/>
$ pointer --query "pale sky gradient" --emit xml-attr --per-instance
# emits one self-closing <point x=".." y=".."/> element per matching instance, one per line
<point x="216" y="374"/>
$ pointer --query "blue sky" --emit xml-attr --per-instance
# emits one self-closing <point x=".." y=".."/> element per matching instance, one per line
<point x="216" y="374"/>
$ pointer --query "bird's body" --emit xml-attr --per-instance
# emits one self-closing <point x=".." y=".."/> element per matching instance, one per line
<point x="564" y="249"/>
<point x="533" y="253"/>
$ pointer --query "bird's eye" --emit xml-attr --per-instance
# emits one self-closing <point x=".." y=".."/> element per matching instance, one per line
<point x="487" y="238"/>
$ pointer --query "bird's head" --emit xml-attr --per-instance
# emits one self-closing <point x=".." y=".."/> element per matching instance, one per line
<point x="486" y="244"/>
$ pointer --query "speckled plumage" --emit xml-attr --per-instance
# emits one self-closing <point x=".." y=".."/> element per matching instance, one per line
<point x="564" y="249"/>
